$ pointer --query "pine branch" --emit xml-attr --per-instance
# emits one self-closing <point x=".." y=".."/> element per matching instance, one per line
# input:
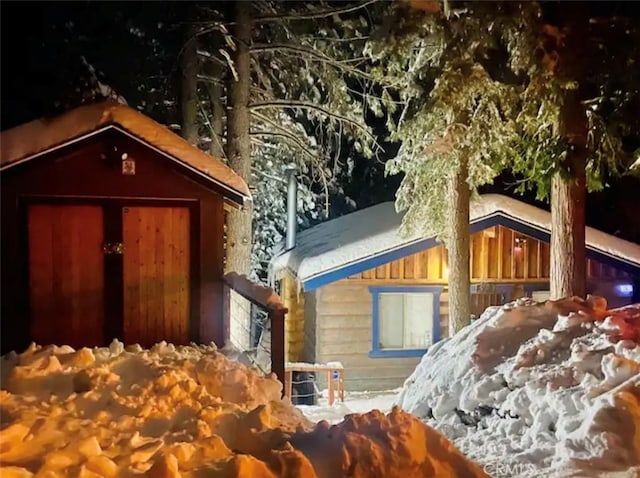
<point x="286" y="133"/>
<point x="287" y="136"/>
<point x="314" y="107"/>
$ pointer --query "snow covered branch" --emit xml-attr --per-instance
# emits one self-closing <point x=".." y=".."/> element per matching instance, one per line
<point x="289" y="137"/>
<point x="314" y="15"/>
<point x="317" y="108"/>
<point x="313" y="54"/>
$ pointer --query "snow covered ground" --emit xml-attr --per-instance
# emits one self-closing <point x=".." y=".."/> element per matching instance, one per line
<point x="534" y="390"/>
<point x="190" y="412"/>
<point x="354" y="402"/>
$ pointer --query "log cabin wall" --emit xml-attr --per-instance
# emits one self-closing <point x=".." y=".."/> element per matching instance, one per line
<point x="343" y="320"/>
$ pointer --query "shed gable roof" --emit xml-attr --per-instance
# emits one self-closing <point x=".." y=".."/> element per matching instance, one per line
<point x="368" y="238"/>
<point x="30" y="140"/>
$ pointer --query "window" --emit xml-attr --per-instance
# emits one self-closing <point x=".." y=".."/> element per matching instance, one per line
<point x="540" y="295"/>
<point x="406" y="320"/>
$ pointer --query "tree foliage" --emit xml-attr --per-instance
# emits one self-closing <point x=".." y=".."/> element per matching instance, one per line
<point x="490" y="82"/>
<point x="460" y="102"/>
<point x="310" y="97"/>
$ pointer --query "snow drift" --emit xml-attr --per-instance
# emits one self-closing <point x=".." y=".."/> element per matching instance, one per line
<point x="537" y="389"/>
<point x="190" y="411"/>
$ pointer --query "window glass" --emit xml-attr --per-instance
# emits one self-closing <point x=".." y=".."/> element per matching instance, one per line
<point x="540" y="295"/>
<point x="405" y="320"/>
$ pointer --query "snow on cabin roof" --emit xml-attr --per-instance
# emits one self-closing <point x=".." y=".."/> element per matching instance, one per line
<point x="374" y="232"/>
<point x="27" y="141"/>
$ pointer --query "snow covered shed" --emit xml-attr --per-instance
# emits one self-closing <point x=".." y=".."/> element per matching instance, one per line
<point x="359" y="293"/>
<point x="112" y="227"/>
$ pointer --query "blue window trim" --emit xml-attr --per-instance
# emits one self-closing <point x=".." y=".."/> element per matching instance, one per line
<point x="498" y="219"/>
<point x="376" y="351"/>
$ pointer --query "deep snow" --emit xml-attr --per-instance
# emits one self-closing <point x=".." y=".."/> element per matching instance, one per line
<point x="535" y="390"/>
<point x="190" y="411"/>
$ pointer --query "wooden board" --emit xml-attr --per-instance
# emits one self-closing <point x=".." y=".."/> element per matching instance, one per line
<point x="156" y="274"/>
<point x="66" y="274"/>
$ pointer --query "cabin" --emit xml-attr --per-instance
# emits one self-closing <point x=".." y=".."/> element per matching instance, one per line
<point x="360" y="294"/>
<point x="112" y="227"/>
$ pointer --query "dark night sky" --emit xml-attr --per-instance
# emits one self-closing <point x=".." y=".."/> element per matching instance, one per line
<point x="36" y="65"/>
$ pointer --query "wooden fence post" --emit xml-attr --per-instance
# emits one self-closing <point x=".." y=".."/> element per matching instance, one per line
<point x="277" y="343"/>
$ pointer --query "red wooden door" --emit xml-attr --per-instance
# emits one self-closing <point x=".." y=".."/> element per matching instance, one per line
<point x="156" y="274"/>
<point x="66" y="274"/>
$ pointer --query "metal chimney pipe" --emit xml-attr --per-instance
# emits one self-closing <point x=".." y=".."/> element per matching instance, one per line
<point x="292" y="206"/>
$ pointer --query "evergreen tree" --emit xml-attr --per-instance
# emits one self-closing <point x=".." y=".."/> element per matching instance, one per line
<point x="579" y="122"/>
<point x="457" y="126"/>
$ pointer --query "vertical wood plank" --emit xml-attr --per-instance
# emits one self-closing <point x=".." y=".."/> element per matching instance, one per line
<point x="444" y="263"/>
<point x="394" y="269"/>
<point x="422" y="264"/>
<point x="539" y="259"/>
<point x="434" y="263"/>
<point x="522" y="259"/>
<point x="66" y="279"/>
<point x="156" y="275"/>
<point x="476" y="255"/>
<point x="41" y="269"/>
<point x="182" y="271"/>
<point x="472" y="260"/>
<point x="499" y="246"/>
<point x="492" y="257"/>
<point x="485" y="258"/>
<point x="545" y="254"/>
<point x="514" y="257"/>
<point x="409" y="267"/>
<point x="368" y="274"/>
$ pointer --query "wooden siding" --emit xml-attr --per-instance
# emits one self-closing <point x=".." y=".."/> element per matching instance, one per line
<point x="66" y="279"/>
<point x="343" y="321"/>
<point x="156" y="275"/>
<point x="294" y="323"/>
<point x="310" y="328"/>
<point x="53" y="179"/>
<point x="493" y="258"/>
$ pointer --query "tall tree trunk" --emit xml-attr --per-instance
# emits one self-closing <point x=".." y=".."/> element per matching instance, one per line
<point x="568" y="200"/>
<point x="458" y="197"/>
<point x="238" y="140"/>
<point x="189" y="86"/>
<point x="216" y="99"/>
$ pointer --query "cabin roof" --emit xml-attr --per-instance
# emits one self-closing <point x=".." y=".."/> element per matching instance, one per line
<point x="370" y="237"/>
<point x="36" y="138"/>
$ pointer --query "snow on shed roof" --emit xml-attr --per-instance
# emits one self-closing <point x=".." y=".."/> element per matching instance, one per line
<point x="30" y="140"/>
<point x="363" y="239"/>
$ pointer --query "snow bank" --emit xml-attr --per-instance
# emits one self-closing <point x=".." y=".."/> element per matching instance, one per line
<point x="190" y="411"/>
<point x="537" y="389"/>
